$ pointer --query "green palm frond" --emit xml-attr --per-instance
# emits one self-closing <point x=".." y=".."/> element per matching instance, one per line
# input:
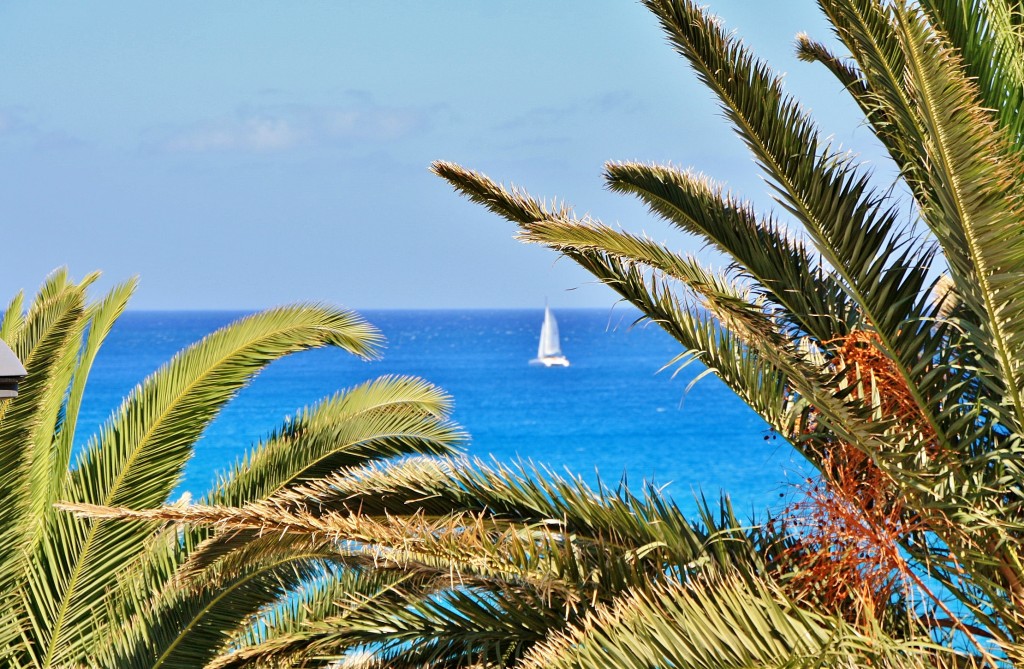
<point x="190" y="624"/>
<point x="959" y="166"/>
<point x="722" y="622"/>
<point x="455" y="624"/>
<point x="704" y="338"/>
<point x="484" y="570"/>
<point x="48" y="347"/>
<point x="731" y="306"/>
<point x="382" y="504"/>
<point x="165" y="414"/>
<point x="756" y="380"/>
<point x="456" y="628"/>
<point x="100" y="318"/>
<point x="286" y="632"/>
<point x="485" y="585"/>
<point x="866" y="28"/>
<point x="386" y="417"/>
<point x="881" y="266"/>
<point x="843" y="69"/>
<point x="843" y="348"/>
<point x="98" y="593"/>
<point x="137" y="459"/>
<point x="786" y="272"/>
<point x="46" y="343"/>
<point x="973" y="209"/>
<point x="13" y="318"/>
<point x="990" y="38"/>
<point x="826" y="191"/>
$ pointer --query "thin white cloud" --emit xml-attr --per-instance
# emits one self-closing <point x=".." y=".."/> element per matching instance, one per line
<point x="247" y="134"/>
<point x="278" y="128"/>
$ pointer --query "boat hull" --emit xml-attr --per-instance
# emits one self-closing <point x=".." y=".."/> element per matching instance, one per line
<point x="551" y="361"/>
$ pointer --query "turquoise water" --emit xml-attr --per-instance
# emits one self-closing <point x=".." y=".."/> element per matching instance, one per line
<point x="610" y="412"/>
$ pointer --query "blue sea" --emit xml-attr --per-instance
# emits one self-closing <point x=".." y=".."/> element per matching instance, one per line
<point x="611" y="414"/>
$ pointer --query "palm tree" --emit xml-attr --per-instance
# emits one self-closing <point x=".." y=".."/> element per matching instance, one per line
<point x="77" y="593"/>
<point x="906" y="391"/>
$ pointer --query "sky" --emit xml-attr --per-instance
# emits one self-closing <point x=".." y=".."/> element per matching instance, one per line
<point x="240" y="155"/>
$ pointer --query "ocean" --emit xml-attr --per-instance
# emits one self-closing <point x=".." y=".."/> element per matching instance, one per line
<point x="610" y="416"/>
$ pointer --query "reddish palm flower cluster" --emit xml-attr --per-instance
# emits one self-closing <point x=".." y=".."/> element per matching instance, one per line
<point x="849" y="528"/>
<point x="850" y="523"/>
<point x="860" y="358"/>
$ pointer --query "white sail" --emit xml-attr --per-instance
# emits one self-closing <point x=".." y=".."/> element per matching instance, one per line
<point x="549" y="345"/>
<point x="549" y="350"/>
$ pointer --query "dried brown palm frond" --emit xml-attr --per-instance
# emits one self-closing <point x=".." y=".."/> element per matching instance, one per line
<point x="468" y="547"/>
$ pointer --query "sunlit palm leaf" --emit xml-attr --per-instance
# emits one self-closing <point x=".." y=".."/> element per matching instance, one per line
<point x="286" y="632"/>
<point x="730" y="305"/>
<point x="721" y="623"/>
<point x="192" y="622"/>
<point x="786" y="272"/>
<point x="46" y="343"/>
<point x="100" y="319"/>
<point x="48" y="347"/>
<point x="138" y="457"/>
<point x="882" y="267"/>
<point x="866" y="28"/>
<point x="504" y="585"/>
<point x="389" y="416"/>
<point x="381" y="505"/>
<point x="972" y="209"/>
<point x="932" y="396"/>
<point x="989" y="36"/>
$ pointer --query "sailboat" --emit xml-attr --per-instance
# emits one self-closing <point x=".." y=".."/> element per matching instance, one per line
<point x="549" y="351"/>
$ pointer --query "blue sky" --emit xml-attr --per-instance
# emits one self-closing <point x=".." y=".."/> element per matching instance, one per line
<point x="247" y="154"/>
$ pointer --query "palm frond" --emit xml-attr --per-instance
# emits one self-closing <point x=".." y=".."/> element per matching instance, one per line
<point x="480" y="560"/>
<point x="138" y="456"/>
<point x="843" y="69"/>
<point x="362" y="505"/>
<point x="131" y="461"/>
<point x="866" y="28"/>
<point x="880" y="265"/>
<point x="48" y="347"/>
<point x="13" y="318"/>
<point x="284" y="632"/>
<point x="191" y="623"/>
<point x="854" y="422"/>
<point x="455" y="628"/>
<point x="972" y="210"/>
<point x="100" y="319"/>
<point x="722" y="622"/>
<point x="849" y="348"/>
<point x="786" y="272"/>
<point x="389" y="416"/>
<point x="823" y="189"/>
<point x="988" y="34"/>
<point x="46" y="342"/>
<point x="323" y="597"/>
